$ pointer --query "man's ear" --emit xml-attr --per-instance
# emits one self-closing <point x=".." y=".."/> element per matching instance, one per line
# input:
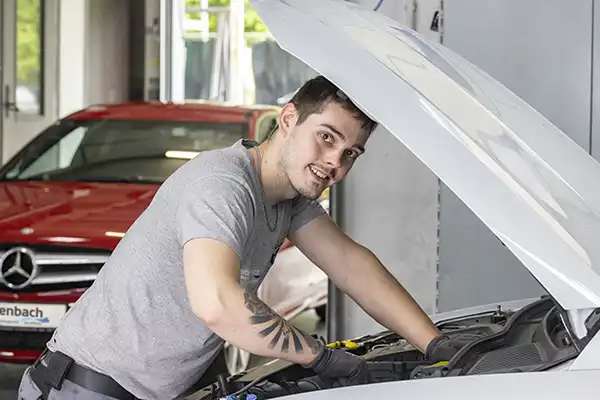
<point x="287" y="118"/>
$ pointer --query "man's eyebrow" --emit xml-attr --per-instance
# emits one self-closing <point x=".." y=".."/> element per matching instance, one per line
<point x="341" y="135"/>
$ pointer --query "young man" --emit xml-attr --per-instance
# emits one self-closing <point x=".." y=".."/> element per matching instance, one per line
<point x="183" y="279"/>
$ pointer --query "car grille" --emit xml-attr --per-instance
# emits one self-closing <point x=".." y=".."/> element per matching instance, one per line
<point x="60" y="267"/>
<point x="25" y="340"/>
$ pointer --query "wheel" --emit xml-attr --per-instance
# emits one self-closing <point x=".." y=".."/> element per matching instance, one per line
<point x="322" y="312"/>
<point x="236" y="360"/>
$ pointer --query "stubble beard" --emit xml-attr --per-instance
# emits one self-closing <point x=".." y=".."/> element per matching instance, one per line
<point x="285" y="165"/>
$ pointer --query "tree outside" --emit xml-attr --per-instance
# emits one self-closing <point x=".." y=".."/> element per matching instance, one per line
<point x="28" y="42"/>
<point x="252" y="22"/>
<point x="28" y="55"/>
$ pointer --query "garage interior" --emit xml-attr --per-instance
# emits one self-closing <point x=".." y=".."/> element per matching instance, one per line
<point x="62" y="56"/>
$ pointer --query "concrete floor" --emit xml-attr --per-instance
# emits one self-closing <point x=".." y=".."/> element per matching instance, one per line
<point x="10" y="375"/>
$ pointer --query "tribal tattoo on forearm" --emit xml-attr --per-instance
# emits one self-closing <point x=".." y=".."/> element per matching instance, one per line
<point x="284" y="333"/>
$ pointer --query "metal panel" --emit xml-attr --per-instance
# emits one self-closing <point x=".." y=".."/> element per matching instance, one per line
<point x="595" y="135"/>
<point x="541" y="50"/>
<point x="388" y="202"/>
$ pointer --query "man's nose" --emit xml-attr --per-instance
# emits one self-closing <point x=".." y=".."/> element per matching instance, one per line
<point x="334" y="158"/>
<point x="334" y="164"/>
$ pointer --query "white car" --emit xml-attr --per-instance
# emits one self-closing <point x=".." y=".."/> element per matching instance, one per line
<point x="535" y="188"/>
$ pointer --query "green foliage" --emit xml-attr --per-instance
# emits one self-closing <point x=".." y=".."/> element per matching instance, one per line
<point x="28" y="41"/>
<point x="252" y="22"/>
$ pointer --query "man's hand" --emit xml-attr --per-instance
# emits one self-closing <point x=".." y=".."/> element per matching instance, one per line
<point x="341" y="367"/>
<point x="443" y="348"/>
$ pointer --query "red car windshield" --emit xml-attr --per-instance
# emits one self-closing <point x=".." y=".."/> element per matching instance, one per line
<point x="117" y="150"/>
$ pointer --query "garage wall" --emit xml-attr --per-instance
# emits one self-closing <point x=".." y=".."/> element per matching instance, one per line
<point x="94" y="57"/>
<point x="73" y="19"/>
<point x="595" y="136"/>
<point x="94" y="48"/>
<point x="389" y="204"/>
<point x="542" y="51"/>
<point x="107" y="51"/>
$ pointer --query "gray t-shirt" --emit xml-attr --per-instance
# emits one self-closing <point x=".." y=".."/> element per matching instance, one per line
<point x="135" y="323"/>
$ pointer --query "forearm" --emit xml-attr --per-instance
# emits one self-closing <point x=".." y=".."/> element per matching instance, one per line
<point x="248" y="323"/>
<point x="382" y="294"/>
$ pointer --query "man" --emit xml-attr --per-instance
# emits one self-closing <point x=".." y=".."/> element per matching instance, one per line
<point x="184" y="277"/>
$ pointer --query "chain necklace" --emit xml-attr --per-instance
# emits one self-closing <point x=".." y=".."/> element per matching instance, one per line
<point x="263" y="195"/>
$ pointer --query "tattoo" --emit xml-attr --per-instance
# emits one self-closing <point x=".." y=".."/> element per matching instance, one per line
<point x="281" y="331"/>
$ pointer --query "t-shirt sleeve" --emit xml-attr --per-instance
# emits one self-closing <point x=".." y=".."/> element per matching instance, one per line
<point x="304" y="210"/>
<point x="219" y="208"/>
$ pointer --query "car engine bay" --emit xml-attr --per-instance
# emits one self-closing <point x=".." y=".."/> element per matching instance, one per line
<point x="534" y="338"/>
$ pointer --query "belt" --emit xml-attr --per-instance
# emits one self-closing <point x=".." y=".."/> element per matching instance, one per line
<point x="60" y="367"/>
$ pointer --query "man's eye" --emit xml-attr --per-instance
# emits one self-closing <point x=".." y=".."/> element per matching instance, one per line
<point x="351" y="154"/>
<point x="325" y="136"/>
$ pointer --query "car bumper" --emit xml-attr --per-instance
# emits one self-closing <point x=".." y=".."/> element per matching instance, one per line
<point x="22" y="343"/>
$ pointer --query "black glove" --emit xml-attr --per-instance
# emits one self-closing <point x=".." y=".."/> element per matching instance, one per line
<point x="443" y="348"/>
<point x="342" y="367"/>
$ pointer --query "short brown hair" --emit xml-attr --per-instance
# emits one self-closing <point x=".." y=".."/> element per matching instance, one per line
<point x="317" y="92"/>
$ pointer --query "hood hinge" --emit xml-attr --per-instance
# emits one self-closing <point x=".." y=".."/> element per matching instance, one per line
<point x="580" y="321"/>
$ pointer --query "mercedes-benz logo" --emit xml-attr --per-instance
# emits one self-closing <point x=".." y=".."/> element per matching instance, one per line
<point x="18" y="268"/>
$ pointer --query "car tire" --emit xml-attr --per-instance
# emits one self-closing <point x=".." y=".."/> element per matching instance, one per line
<point x="321" y="312"/>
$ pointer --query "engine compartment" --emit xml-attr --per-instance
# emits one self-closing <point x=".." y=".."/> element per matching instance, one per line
<point x="533" y="338"/>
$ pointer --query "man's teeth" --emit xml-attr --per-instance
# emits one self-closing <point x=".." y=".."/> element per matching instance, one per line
<point x="317" y="173"/>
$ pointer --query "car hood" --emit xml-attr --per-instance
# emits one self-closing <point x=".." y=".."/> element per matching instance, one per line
<point x="70" y="213"/>
<point x="534" y="187"/>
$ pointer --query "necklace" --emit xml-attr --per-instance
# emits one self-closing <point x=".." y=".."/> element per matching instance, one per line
<point x="263" y="195"/>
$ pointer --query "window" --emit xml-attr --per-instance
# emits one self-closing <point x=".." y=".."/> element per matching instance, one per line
<point x="141" y="151"/>
<point x="28" y="62"/>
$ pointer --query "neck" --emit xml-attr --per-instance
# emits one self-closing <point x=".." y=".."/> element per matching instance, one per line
<point x="275" y="184"/>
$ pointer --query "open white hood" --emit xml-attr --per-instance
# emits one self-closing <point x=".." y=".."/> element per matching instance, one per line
<point x="534" y="187"/>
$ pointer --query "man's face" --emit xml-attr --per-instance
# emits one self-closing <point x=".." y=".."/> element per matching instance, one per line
<point x="320" y="151"/>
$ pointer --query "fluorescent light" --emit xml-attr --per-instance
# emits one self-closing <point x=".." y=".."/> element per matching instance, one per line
<point x="188" y="155"/>
<point x="115" y="234"/>
<point x="64" y="239"/>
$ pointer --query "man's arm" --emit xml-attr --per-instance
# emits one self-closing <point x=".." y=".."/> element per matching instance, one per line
<point x="212" y="271"/>
<point x="359" y="273"/>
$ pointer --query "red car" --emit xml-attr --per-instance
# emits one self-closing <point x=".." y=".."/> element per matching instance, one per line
<point x="69" y="195"/>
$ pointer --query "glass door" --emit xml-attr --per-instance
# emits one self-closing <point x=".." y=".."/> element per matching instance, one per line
<point x="29" y="70"/>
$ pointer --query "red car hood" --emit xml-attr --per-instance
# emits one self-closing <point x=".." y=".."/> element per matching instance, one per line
<point x="70" y="213"/>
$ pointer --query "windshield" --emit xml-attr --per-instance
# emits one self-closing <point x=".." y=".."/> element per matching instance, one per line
<point x="117" y="151"/>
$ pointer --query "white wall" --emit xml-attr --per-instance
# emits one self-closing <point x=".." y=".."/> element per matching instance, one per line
<point x="107" y="51"/>
<point x="94" y="62"/>
<point x="93" y="55"/>
<point x="72" y="25"/>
